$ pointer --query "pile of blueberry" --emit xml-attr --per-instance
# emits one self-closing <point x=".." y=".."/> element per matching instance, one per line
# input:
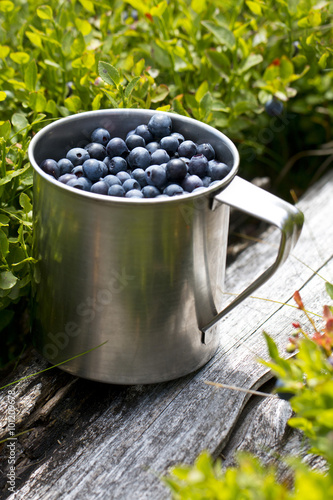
<point x="151" y="162"/>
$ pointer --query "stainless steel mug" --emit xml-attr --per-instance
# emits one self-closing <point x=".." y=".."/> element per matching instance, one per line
<point x="137" y="282"/>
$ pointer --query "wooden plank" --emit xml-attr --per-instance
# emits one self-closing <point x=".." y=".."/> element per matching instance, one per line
<point x="92" y="438"/>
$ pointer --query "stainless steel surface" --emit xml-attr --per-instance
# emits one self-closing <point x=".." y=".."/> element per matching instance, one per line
<point x="141" y="277"/>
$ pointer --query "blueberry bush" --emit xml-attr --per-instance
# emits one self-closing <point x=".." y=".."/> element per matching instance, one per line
<point x="305" y="379"/>
<point x="259" y="71"/>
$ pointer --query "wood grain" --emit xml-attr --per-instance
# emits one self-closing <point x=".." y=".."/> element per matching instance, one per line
<point x="90" y="439"/>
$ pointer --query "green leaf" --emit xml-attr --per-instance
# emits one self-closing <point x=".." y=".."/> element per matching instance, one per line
<point x="251" y="61"/>
<point x="329" y="289"/>
<point x="159" y="9"/>
<point x="286" y="68"/>
<point x="10" y="176"/>
<point x="4" y="220"/>
<point x="201" y="91"/>
<point x="4" y="51"/>
<point x="160" y="93"/>
<point x="25" y="203"/>
<point x="254" y="8"/>
<point x="6" y="6"/>
<point x="45" y="12"/>
<point x="5" y="129"/>
<point x="323" y="60"/>
<point x="4" y="243"/>
<point x="199" y="6"/>
<point x="96" y="102"/>
<point x="30" y="76"/>
<point x="131" y="86"/>
<point x="19" y="121"/>
<point x="3" y="95"/>
<point x="272" y="347"/>
<point x="206" y="103"/>
<point x="34" y="38"/>
<point x="20" y="57"/>
<point x="222" y="34"/>
<point x="138" y="5"/>
<point x="83" y="26"/>
<point x="108" y="73"/>
<point x="219" y="60"/>
<point x="73" y="103"/>
<point x="88" y="5"/>
<point x="7" y="280"/>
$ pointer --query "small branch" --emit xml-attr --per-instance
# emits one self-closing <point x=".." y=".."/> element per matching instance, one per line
<point x="241" y="389"/>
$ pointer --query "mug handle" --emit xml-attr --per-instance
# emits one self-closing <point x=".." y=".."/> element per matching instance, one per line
<point x="248" y="198"/>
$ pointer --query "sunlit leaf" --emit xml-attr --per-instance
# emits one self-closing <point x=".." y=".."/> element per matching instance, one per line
<point x="45" y="12"/>
<point x="222" y="34"/>
<point x="20" y="57"/>
<point x="108" y="73"/>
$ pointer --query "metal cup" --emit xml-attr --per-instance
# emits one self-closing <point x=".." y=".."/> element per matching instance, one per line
<point x="127" y="290"/>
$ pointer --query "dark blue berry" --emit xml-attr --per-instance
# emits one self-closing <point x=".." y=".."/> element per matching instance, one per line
<point x="80" y="183"/>
<point x="100" y="135"/>
<point x="116" y="190"/>
<point x="191" y="182"/>
<point x="156" y="176"/>
<point x="65" y="166"/>
<point x="130" y="184"/>
<point x="77" y="156"/>
<point x="115" y="164"/>
<point x="134" y="193"/>
<point x="170" y="144"/>
<point x="173" y="190"/>
<point x="274" y="107"/>
<point x="140" y="175"/>
<point x="144" y="132"/>
<point x="187" y="148"/>
<point x="135" y="141"/>
<point x="50" y="167"/>
<point x="78" y="171"/>
<point x="152" y="146"/>
<point x="176" y="170"/>
<point x="66" y="177"/>
<point x="96" y="150"/>
<point x="123" y="176"/>
<point x="94" y="169"/>
<point x="131" y="132"/>
<point x="150" y="191"/>
<point x="206" y="181"/>
<point x="217" y="170"/>
<point x="111" y="180"/>
<point x="159" y="156"/>
<point x="207" y="150"/>
<point x="100" y="187"/>
<point x="117" y="147"/>
<point x="138" y="158"/>
<point x="160" y="125"/>
<point x="198" y="165"/>
<point x="179" y="137"/>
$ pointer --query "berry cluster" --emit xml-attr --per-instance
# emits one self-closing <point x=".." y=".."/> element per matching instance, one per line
<point x="152" y="161"/>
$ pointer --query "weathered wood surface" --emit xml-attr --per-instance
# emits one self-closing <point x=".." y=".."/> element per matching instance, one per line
<point x="92" y="440"/>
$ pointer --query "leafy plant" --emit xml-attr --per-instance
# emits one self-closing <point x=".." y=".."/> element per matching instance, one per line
<point x="308" y="376"/>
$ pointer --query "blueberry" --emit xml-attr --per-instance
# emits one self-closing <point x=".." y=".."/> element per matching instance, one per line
<point x="138" y="158"/>
<point x="198" y="165"/>
<point x="111" y="180"/>
<point x="274" y="107"/>
<point x="191" y="182"/>
<point x="296" y="46"/>
<point x="140" y="175"/>
<point x="179" y="137"/>
<point x="279" y="384"/>
<point x="78" y="171"/>
<point x="156" y="176"/>
<point x="115" y="164"/>
<point x="65" y="166"/>
<point x="123" y="176"/>
<point x="131" y="132"/>
<point x="160" y="125"/>
<point x="100" y="187"/>
<point x="66" y="177"/>
<point x="150" y="191"/>
<point x="116" y="190"/>
<point x="134" y="193"/>
<point x="134" y="141"/>
<point x="187" y="148"/>
<point x="80" y="183"/>
<point x="159" y="156"/>
<point x="207" y="150"/>
<point x="173" y="190"/>
<point x="144" y="132"/>
<point x="217" y="170"/>
<point x="206" y="181"/>
<point x="152" y="146"/>
<point x="77" y="156"/>
<point x="50" y="167"/>
<point x="117" y="147"/>
<point x="96" y="150"/>
<point x="94" y="169"/>
<point x="100" y="135"/>
<point x="176" y="170"/>
<point x="130" y="184"/>
<point x="170" y="144"/>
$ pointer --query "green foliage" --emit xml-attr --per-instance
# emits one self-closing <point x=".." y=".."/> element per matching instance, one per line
<point x="309" y="376"/>
<point x="217" y="61"/>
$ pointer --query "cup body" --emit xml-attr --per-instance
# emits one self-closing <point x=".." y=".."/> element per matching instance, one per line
<point x="131" y="281"/>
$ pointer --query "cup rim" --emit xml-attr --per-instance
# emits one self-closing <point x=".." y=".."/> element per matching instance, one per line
<point x="206" y="192"/>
